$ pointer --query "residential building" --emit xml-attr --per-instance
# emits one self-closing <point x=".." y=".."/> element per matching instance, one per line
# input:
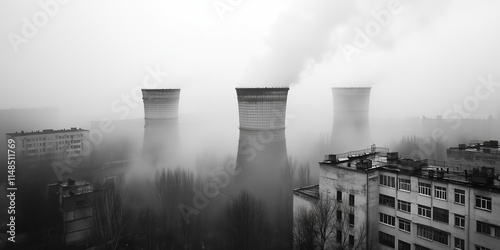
<point x="410" y="204"/>
<point x="49" y="144"/>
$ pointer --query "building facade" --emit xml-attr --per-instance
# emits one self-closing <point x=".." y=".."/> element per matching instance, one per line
<point x="409" y="204"/>
<point x="49" y="144"/>
<point x="74" y="205"/>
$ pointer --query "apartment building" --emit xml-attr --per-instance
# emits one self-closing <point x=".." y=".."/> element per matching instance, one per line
<point x="49" y="144"/>
<point x="409" y="204"/>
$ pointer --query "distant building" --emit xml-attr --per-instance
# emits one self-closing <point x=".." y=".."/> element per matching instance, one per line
<point x="49" y="144"/>
<point x="74" y="206"/>
<point x="408" y="204"/>
<point x="477" y="153"/>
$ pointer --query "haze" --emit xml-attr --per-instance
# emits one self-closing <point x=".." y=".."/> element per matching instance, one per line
<point x="91" y="53"/>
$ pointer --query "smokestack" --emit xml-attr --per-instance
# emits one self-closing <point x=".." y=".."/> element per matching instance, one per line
<point x="262" y="155"/>
<point x="161" y="137"/>
<point x="351" y="128"/>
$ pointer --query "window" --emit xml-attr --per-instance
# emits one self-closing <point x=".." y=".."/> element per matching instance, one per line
<point x="387" y="219"/>
<point x="481" y="248"/>
<point x="489" y="229"/>
<point x="404" y="206"/>
<point x="440" y="214"/>
<point x="459" y="221"/>
<point x="440" y="193"/>
<point x="387" y="181"/>
<point x="424" y="189"/>
<point x="404" y="225"/>
<point x="459" y="196"/>
<point x="404" y="184"/>
<point x="339" y="215"/>
<point x="351" y="200"/>
<point x="403" y="245"/>
<point x="351" y="219"/>
<point x="483" y="202"/>
<point x="386" y="239"/>
<point x="459" y="243"/>
<point x="386" y="200"/>
<point x="424" y="211"/>
<point x="339" y="236"/>
<point x="351" y="240"/>
<point x="339" y="196"/>
<point x="432" y="234"/>
<point x="419" y="247"/>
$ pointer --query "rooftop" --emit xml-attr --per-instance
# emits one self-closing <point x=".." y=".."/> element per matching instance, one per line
<point x="375" y="159"/>
<point x="46" y="131"/>
<point x="74" y="188"/>
<point x="309" y="192"/>
<point x="488" y="147"/>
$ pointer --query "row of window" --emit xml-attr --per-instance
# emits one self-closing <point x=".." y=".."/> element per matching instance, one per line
<point x="429" y="233"/>
<point x="482" y="202"/>
<point x="403" y="224"/>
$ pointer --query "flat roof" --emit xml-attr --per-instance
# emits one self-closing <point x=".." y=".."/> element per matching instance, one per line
<point x="46" y="131"/>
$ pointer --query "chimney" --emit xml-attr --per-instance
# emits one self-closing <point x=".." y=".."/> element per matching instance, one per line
<point x="161" y="138"/>
<point x="351" y="128"/>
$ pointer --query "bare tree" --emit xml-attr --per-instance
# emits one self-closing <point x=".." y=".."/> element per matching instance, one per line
<point x="109" y="214"/>
<point x="304" y="230"/>
<point x="248" y="223"/>
<point x="171" y="188"/>
<point x="324" y="216"/>
<point x="332" y="225"/>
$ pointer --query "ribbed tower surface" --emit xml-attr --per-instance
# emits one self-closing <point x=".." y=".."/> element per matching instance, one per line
<point x="161" y="103"/>
<point x="262" y="108"/>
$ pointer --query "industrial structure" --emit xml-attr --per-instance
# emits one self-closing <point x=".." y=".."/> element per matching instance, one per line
<point x="351" y="127"/>
<point x="409" y="204"/>
<point x="262" y="155"/>
<point x="161" y="129"/>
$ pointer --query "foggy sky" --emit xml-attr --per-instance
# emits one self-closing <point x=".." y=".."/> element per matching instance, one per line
<point x="90" y="53"/>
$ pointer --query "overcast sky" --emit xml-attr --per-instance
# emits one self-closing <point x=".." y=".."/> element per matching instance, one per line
<point x="419" y="57"/>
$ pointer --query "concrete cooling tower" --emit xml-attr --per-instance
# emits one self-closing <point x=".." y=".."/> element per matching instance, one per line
<point x="351" y="127"/>
<point x="262" y="155"/>
<point x="161" y="130"/>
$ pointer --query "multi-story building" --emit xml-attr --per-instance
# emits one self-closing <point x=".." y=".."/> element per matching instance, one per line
<point x="74" y="206"/>
<point x="49" y="144"/>
<point x="409" y="204"/>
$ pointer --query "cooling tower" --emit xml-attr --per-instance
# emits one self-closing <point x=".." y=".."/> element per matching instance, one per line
<point x="351" y="128"/>
<point x="262" y="108"/>
<point x="161" y="130"/>
<point x="262" y="156"/>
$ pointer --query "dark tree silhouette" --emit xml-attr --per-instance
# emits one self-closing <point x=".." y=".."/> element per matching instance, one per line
<point x="248" y="223"/>
<point x="326" y="225"/>
<point x="110" y="214"/>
